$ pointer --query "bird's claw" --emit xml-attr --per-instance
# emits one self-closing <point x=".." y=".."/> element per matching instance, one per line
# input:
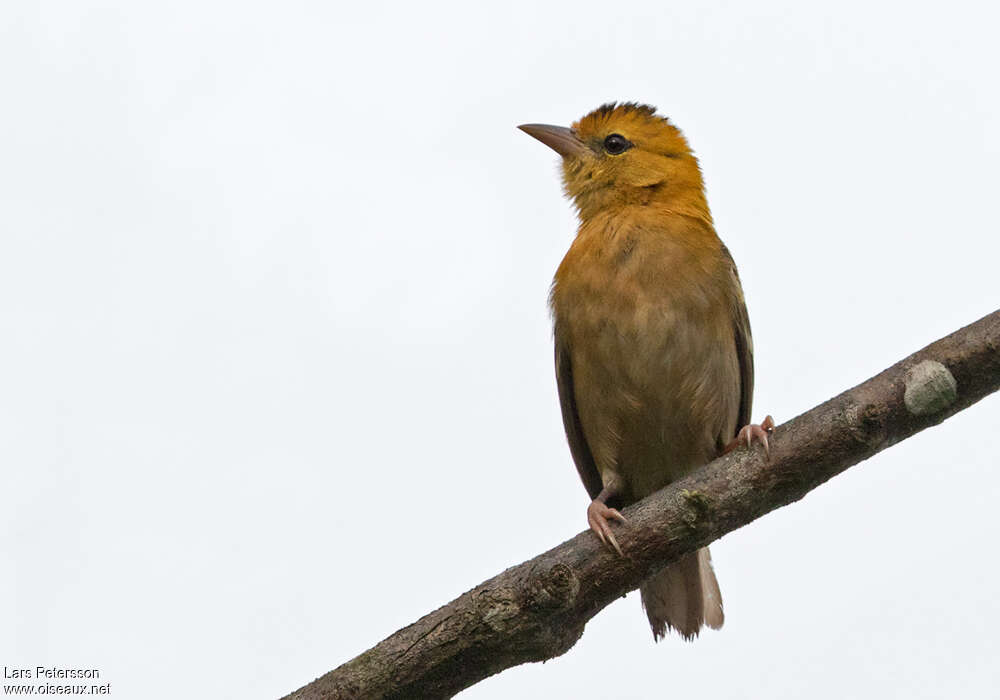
<point x="598" y="515"/>
<point x="749" y="432"/>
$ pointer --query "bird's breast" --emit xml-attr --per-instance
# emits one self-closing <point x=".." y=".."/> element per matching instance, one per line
<point x="650" y="339"/>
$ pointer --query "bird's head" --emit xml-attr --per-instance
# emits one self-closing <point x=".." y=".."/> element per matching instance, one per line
<point x="624" y="154"/>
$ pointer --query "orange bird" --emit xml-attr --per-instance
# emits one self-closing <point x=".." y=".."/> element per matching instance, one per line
<point x="654" y="359"/>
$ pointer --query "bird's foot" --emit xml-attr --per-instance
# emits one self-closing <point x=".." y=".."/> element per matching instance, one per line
<point x="747" y="434"/>
<point x="598" y="516"/>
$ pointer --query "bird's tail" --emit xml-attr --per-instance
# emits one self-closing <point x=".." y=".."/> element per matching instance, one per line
<point x="684" y="596"/>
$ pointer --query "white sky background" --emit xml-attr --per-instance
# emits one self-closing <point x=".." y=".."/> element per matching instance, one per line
<point x="276" y="367"/>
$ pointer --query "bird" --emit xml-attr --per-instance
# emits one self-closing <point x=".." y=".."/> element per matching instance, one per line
<point x="653" y="351"/>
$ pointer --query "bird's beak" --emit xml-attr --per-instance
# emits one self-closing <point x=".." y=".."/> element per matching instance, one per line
<point x="560" y="139"/>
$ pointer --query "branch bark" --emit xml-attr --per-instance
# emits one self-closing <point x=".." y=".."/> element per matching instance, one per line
<point x="537" y="610"/>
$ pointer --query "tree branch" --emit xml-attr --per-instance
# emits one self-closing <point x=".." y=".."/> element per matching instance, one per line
<point x="537" y="610"/>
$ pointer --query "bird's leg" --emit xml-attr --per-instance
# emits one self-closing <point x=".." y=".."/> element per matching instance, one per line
<point x="598" y="515"/>
<point x="748" y="432"/>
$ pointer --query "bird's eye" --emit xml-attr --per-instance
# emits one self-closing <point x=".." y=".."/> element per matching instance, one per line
<point x="616" y="144"/>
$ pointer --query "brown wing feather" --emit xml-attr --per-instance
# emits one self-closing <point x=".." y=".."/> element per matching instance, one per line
<point x="571" y="422"/>
<point x="744" y="346"/>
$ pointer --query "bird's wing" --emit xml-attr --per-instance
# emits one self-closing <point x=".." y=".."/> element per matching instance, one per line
<point x="744" y="345"/>
<point x="571" y="422"/>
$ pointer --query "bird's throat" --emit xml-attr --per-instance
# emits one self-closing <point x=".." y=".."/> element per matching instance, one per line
<point x="664" y="198"/>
